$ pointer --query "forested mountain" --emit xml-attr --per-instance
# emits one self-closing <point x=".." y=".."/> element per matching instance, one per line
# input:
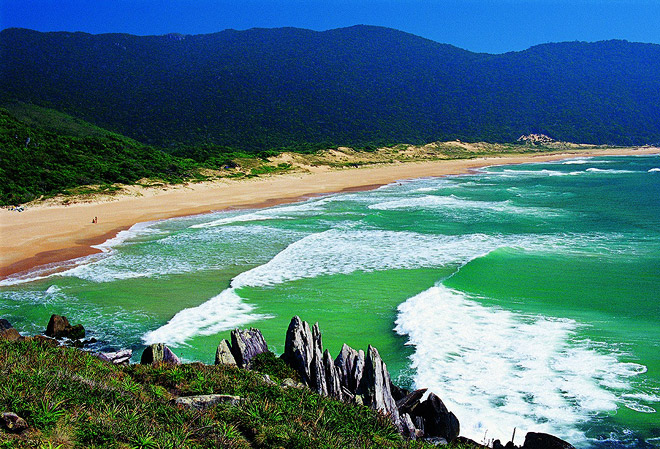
<point x="272" y="88"/>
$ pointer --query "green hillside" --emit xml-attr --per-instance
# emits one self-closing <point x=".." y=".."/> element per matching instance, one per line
<point x="36" y="162"/>
<point x="266" y="89"/>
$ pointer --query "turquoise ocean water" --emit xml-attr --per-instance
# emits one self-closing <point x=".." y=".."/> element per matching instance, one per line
<point x="525" y="296"/>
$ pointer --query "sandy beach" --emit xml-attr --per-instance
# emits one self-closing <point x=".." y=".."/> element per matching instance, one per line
<point x="46" y="234"/>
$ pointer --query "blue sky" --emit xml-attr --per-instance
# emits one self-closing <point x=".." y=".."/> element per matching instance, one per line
<point x="492" y="26"/>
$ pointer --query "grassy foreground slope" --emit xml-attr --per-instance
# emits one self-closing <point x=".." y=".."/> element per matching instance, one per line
<point x="71" y="399"/>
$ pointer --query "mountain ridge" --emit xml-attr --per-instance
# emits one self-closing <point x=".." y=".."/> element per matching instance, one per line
<point x="280" y="88"/>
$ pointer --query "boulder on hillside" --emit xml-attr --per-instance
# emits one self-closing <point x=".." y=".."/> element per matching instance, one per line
<point x="205" y="401"/>
<point x="158" y="353"/>
<point x="7" y="331"/>
<point x="122" y="358"/>
<point x="12" y="422"/>
<point x="245" y="344"/>
<point x="59" y="327"/>
<point x="534" y="440"/>
<point x="223" y="355"/>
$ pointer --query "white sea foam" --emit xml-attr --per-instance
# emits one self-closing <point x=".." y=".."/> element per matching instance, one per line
<point x="654" y="170"/>
<point x="343" y="251"/>
<point x="582" y="161"/>
<point x="454" y="204"/>
<point x="608" y="171"/>
<point x="287" y="212"/>
<point x="497" y="370"/>
<point x="222" y="312"/>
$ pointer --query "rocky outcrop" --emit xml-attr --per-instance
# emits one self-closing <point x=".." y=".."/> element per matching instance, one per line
<point x="12" y="422"/>
<point x="223" y="355"/>
<point x="206" y="400"/>
<point x="430" y="416"/>
<point x="59" y="327"/>
<point x="158" y="353"/>
<point x="245" y="344"/>
<point x="375" y="386"/>
<point x="350" y="377"/>
<point x="299" y="349"/>
<point x="7" y="331"/>
<point x="117" y="358"/>
<point x="534" y="440"/>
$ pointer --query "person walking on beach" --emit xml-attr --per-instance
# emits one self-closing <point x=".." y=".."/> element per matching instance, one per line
<point x="95" y="220"/>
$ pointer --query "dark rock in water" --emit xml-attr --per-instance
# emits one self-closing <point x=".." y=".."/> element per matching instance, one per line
<point x="206" y="400"/>
<point x="59" y="327"/>
<point x="438" y="421"/>
<point x="223" y="355"/>
<point x="245" y="344"/>
<point x="4" y="324"/>
<point x="157" y="353"/>
<point x="13" y="423"/>
<point x="299" y="348"/>
<point x="534" y="440"/>
<point x="375" y="386"/>
<point x="118" y="357"/>
<point x="7" y="331"/>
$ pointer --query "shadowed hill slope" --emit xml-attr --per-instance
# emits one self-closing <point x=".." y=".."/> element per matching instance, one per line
<point x="273" y="88"/>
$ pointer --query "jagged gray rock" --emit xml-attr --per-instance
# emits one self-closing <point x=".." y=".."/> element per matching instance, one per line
<point x="332" y="377"/>
<point x="245" y="344"/>
<point x="157" y="353"/>
<point x="299" y="348"/>
<point x="206" y="400"/>
<point x="350" y="364"/>
<point x="223" y="355"/>
<point x="375" y="386"/>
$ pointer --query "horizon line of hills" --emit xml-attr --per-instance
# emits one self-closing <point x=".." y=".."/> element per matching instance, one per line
<point x="296" y="89"/>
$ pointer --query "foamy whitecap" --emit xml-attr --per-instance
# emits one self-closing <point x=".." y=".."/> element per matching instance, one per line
<point x="287" y="212"/>
<point x="343" y="251"/>
<point x="222" y="312"/>
<point x="498" y="370"/>
<point x="654" y="170"/>
<point x="608" y="171"/>
<point x="454" y="204"/>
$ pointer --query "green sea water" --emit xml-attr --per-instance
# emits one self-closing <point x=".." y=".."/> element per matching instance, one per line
<point x="525" y="296"/>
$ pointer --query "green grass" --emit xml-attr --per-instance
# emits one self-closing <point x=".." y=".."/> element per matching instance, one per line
<point x="70" y="399"/>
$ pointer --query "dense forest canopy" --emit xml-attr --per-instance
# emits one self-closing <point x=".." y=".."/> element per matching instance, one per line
<point x="266" y="89"/>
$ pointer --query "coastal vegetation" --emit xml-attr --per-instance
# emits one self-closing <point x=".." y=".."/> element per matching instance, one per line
<point x="70" y="398"/>
<point x="291" y="89"/>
